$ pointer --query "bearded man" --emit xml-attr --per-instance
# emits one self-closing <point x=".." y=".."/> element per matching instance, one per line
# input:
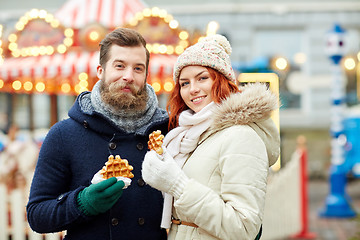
<point x="115" y="118"/>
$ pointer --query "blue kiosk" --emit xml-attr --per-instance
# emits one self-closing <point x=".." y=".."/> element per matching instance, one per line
<point x="352" y="148"/>
<point x="337" y="203"/>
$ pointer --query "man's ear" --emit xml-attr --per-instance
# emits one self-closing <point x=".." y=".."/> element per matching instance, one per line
<point x="99" y="72"/>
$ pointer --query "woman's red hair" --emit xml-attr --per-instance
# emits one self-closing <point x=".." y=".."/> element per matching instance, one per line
<point x="221" y="89"/>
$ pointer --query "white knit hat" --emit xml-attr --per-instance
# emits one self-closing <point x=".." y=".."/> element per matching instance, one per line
<point x="213" y="51"/>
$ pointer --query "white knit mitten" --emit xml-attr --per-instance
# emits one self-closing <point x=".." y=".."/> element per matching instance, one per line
<point x="162" y="173"/>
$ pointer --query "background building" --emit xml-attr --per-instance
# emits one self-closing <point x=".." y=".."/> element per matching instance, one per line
<point x="262" y="31"/>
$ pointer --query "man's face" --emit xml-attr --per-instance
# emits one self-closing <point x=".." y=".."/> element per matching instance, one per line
<point x="124" y="76"/>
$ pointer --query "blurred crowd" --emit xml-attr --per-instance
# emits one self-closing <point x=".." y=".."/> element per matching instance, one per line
<point x="18" y="156"/>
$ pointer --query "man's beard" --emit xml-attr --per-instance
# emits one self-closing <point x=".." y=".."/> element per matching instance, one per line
<point x="112" y="94"/>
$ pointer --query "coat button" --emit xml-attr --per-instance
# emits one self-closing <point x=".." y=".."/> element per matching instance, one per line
<point x="60" y="197"/>
<point x="141" y="182"/>
<point x="140" y="146"/>
<point x="112" y="145"/>
<point x="141" y="221"/>
<point x="85" y="124"/>
<point x="114" y="221"/>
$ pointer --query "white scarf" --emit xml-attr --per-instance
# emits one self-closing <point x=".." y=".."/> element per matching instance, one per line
<point x="183" y="140"/>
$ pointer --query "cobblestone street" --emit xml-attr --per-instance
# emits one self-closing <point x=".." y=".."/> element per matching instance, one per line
<point x="333" y="228"/>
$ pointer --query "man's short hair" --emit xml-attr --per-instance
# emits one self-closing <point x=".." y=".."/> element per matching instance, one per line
<point x="123" y="37"/>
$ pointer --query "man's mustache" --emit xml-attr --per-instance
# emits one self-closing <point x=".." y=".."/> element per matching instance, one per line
<point x="121" y="85"/>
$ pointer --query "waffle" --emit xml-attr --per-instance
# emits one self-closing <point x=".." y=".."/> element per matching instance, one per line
<point x="116" y="167"/>
<point x="155" y="141"/>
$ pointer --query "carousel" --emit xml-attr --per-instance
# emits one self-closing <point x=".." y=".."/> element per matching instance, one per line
<point x="48" y="59"/>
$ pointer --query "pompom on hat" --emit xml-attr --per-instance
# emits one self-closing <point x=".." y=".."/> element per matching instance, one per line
<point x="213" y="51"/>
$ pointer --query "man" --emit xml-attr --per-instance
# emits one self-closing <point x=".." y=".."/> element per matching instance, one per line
<point x="115" y="118"/>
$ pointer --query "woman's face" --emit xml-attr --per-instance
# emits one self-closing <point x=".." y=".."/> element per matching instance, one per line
<point x="195" y="87"/>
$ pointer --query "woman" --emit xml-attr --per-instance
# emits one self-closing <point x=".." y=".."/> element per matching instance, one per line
<point x="217" y="155"/>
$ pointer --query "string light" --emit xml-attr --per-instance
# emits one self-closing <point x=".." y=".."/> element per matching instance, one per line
<point x="300" y="58"/>
<point x="170" y="50"/>
<point x="281" y="63"/>
<point x="36" y="50"/>
<point x="16" y="85"/>
<point x="65" y="87"/>
<point x="28" y="86"/>
<point x="156" y="86"/>
<point x="83" y="76"/>
<point x="212" y="28"/>
<point x="40" y="86"/>
<point x="169" y="86"/>
<point x="79" y="89"/>
<point x="162" y="48"/>
<point x="155" y="12"/>
<point x="183" y="35"/>
<point x="349" y="63"/>
<point x="94" y="36"/>
<point x="173" y="24"/>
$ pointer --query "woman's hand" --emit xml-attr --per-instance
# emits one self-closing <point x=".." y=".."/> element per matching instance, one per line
<point x="162" y="172"/>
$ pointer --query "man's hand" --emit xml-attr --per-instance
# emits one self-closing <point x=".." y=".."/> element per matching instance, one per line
<point x="100" y="197"/>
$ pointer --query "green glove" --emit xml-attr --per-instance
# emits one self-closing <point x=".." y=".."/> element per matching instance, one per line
<point x="100" y="197"/>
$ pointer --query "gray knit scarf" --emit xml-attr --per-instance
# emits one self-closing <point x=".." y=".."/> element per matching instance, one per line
<point x="129" y="121"/>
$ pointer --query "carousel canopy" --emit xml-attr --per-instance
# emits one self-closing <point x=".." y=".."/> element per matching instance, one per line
<point x="46" y="66"/>
<point x="61" y="50"/>
<point x="109" y="13"/>
<point x="70" y="63"/>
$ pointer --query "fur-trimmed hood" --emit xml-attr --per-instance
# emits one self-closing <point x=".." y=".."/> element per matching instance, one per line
<point x="253" y="107"/>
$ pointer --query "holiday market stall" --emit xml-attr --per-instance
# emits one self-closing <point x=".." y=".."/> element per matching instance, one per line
<point x="53" y="57"/>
